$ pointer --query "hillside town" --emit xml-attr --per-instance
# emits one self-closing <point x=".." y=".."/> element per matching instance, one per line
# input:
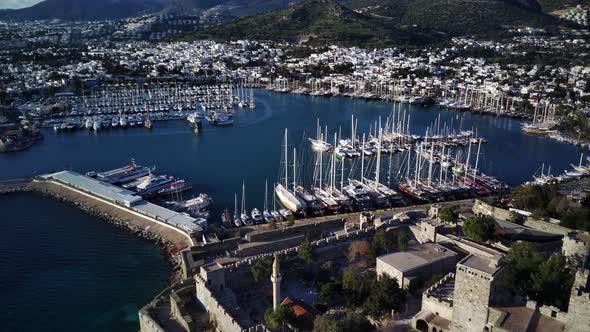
<point x="516" y="76"/>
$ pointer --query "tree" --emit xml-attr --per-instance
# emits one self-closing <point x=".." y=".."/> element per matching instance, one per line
<point x="327" y="271"/>
<point x="380" y="244"/>
<point x="354" y="322"/>
<point x="330" y="293"/>
<point x="402" y="241"/>
<point x="516" y="218"/>
<point x="356" y="288"/>
<point x="386" y="295"/>
<point x="447" y="215"/>
<point x="357" y="249"/>
<point x="553" y="281"/>
<point x="522" y="260"/>
<point x="325" y="324"/>
<point x="277" y="318"/>
<point x="261" y="269"/>
<point x="479" y="228"/>
<point x="306" y="250"/>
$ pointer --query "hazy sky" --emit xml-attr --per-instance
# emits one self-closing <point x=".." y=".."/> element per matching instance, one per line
<point x="17" y="3"/>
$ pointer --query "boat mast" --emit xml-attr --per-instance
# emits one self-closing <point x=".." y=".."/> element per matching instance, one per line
<point x="378" y="158"/>
<point x="442" y="160"/>
<point x="334" y="163"/>
<point x="294" y="169"/>
<point x="430" y="165"/>
<point x="363" y="160"/>
<point x="476" y="161"/>
<point x="286" y="164"/>
<point x="266" y="196"/>
<point x="243" y="198"/>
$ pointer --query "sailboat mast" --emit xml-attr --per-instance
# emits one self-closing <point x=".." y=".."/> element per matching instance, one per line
<point x="378" y="157"/>
<point x="430" y="165"/>
<point x="286" y="163"/>
<point x="362" y="160"/>
<point x="266" y="196"/>
<point x="476" y="160"/>
<point x="294" y="169"/>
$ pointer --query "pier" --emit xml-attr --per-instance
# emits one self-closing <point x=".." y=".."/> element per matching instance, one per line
<point x="119" y="206"/>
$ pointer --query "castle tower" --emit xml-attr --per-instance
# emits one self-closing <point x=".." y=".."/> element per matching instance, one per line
<point x="474" y="281"/>
<point x="276" y="278"/>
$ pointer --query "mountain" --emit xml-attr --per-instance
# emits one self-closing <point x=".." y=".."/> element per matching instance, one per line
<point x="552" y="5"/>
<point x="227" y="7"/>
<point x="457" y="16"/>
<point x="315" y="22"/>
<point x="84" y="9"/>
<point x="116" y="9"/>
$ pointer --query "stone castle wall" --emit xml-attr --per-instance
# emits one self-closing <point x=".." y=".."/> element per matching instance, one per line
<point x="147" y="323"/>
<point x="576" y="250"/>
<point x="224" y="321"/>
<point x="437" y="305"/>
<point x="578" y="317"/>
<point x="481" y="207"/>
<point x="301" y="227"/>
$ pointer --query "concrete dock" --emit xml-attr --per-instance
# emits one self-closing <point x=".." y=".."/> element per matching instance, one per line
<point x="125" y="215"/>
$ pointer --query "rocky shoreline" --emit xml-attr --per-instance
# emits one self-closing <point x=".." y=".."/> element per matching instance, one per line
<point x="173" y="259"/>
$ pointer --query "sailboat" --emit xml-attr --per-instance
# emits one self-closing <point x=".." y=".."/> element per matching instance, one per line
<point x="148" y="121"/>
<point x="237" y="219"/>
<point x="319" y="144"/>
<point x="287" y="197"/>
<point x="268" y="217"/>
<point x="275" y="214"/>
<point x="244" y="216"/>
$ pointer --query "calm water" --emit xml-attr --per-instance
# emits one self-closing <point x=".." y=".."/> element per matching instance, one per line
<point x="63" y="270"/>
<point x="112" y="273"/>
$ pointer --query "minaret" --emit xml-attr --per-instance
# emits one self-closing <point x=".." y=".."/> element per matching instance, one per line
<point x="276" y="283"/>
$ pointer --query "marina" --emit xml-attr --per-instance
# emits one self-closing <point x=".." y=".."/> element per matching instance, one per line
<point x="201" y="159"/>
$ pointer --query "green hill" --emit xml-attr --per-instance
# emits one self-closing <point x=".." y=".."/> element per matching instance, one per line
<point x="457" y="16"/>
<point x="316" y="22"/>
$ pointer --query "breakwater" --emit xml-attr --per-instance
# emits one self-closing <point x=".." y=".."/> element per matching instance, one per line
<point x="120" y="221"/>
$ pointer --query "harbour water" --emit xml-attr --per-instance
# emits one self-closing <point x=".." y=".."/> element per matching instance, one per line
<point x="101" y="263"/>
<point x="63" y="270"/>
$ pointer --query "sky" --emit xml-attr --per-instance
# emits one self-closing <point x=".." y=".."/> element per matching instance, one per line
<point x="13" y="4"/>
